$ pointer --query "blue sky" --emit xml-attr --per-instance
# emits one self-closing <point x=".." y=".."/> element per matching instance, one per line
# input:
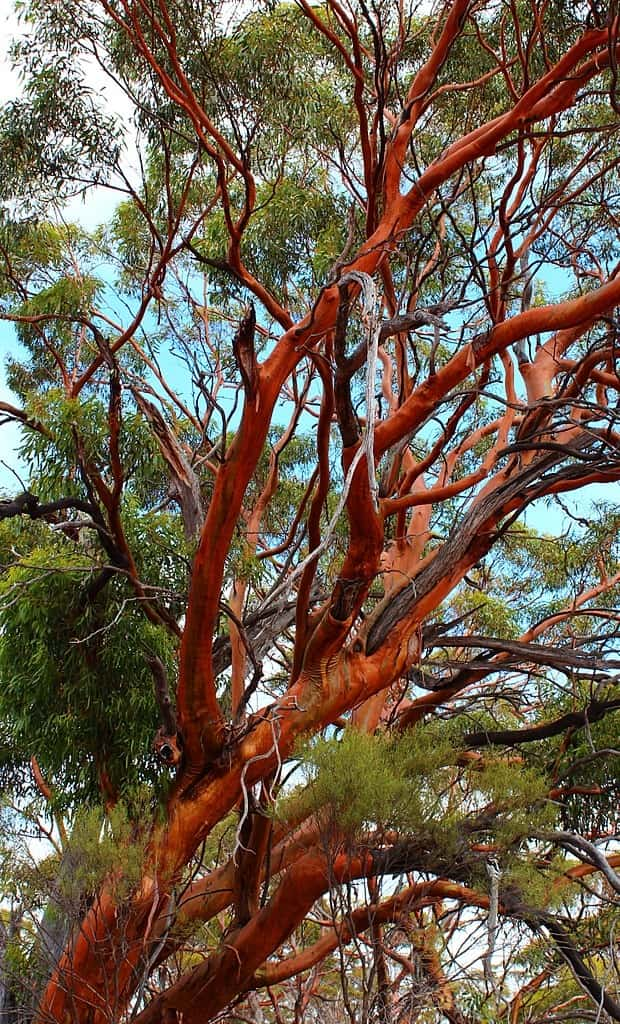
<point x="8" y="87"/>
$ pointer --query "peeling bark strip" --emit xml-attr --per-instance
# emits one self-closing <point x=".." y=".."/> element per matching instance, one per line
<point x="347" y="420"/>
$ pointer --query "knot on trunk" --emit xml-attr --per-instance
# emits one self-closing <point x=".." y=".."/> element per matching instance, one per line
<point x="167" y="748"/>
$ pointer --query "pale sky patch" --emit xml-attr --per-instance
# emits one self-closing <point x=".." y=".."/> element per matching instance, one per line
<point x="9" y="79"/>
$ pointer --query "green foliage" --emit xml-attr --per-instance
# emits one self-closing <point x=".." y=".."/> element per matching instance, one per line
<point x="35" y="247"/>
<point x="39" y="162"/>
<point x="489" y="615"/>
<point x="110" y="850"/>
<point x="402" y="782"/>
<point x="69" y="296"/>
<point x="591" y="761"/>
<point x="77" y="691"/>
<point x="364" y="781"/>
<point x="518" y="796"/>
<point x="53" y="455"/>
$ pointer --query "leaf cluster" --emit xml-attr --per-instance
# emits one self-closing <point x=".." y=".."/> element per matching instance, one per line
<point x="77" y="691"/>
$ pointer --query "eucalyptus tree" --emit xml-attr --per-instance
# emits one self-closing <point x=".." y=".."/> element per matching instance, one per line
<point x="308" y="645"/>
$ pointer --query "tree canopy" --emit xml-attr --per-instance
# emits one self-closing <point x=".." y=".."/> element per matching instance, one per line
<point x="308" y="605"/>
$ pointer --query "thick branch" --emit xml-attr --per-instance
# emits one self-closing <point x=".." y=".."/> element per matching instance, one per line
<point x="584" y="976"/>
<point x="594" y="712"/>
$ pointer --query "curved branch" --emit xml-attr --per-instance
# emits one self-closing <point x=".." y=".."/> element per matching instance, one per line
<point x="594" y="712"/>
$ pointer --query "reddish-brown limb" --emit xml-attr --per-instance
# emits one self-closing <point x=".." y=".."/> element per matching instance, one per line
<point x="416" y="709"/>
<point x="253" y="519"/>
<point x="418" y="92"/>
<point x="210" y="986"/>
<point x="357" y="921"/>
<point x="254" y="837"/>
<point x="47" y="793"/>
<point x="303" y="622"/>
<point x="13" y="412"/>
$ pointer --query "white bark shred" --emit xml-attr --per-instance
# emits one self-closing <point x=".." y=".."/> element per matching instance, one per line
<point x="494" y="873"/>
